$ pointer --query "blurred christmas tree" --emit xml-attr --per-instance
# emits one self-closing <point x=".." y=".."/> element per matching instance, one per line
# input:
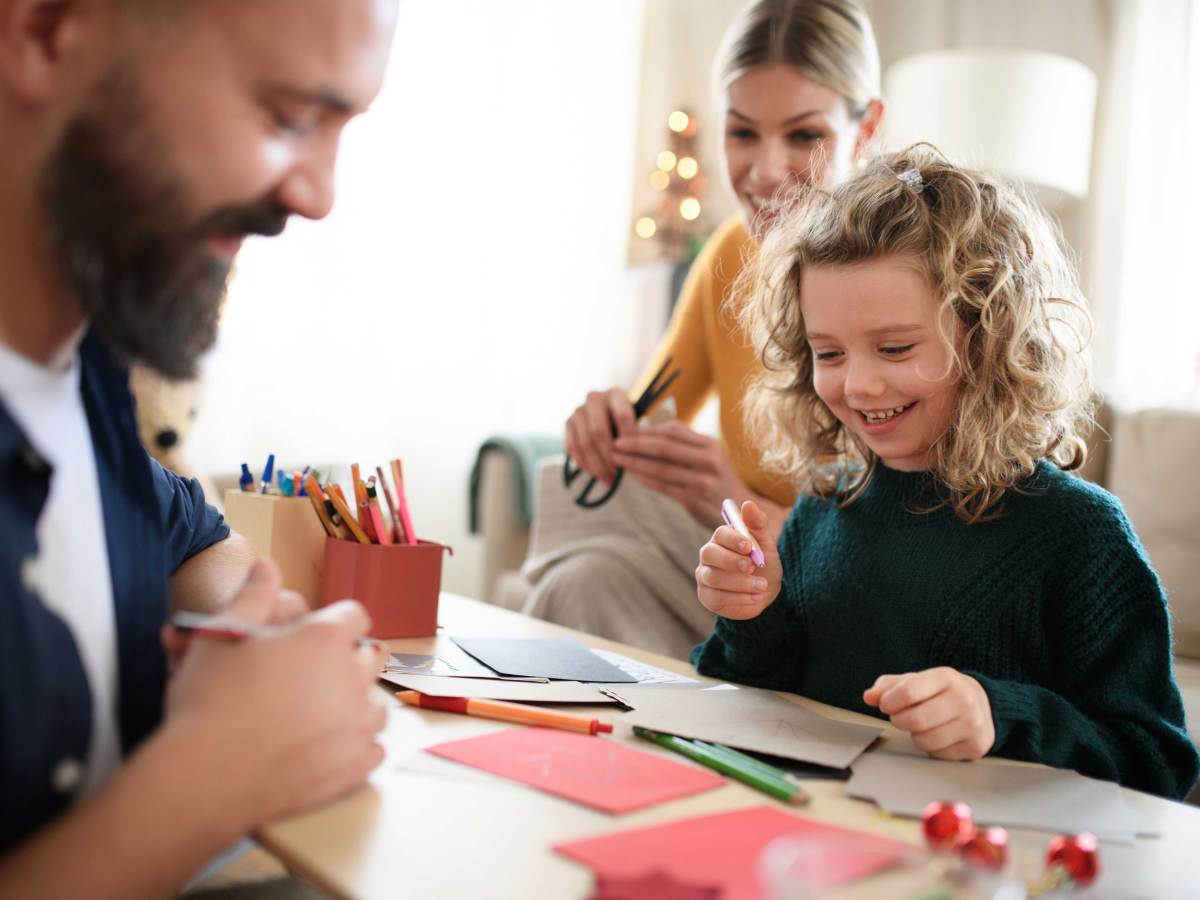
<point x="675" y="222"/>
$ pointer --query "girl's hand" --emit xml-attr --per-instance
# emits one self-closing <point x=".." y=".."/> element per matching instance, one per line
<point x="589" y="438"/>
<point x="727" y="581"/>
<point x="947" y="713"/>
<point x="691" y="468"/>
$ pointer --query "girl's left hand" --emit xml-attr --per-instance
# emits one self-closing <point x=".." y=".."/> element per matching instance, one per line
<point x="690" y="468"/>
<point x="947" y="713"/>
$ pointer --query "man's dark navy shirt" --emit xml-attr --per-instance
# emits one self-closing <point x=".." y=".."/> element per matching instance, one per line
<point x="154" y="521"/>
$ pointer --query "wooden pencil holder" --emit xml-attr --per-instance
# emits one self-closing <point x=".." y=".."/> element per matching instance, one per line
<point x="285" y="529"/>
<point x="397" y="583"/>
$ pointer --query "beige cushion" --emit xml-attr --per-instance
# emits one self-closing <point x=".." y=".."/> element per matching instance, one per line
<point x="1099" y="442"/>
<point x="1154" y="468"/>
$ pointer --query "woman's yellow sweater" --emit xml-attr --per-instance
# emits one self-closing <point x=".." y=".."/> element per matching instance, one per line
<point x="704" y="340"/>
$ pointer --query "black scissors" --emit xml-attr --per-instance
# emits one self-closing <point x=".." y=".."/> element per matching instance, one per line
<point x="571" y="471"/>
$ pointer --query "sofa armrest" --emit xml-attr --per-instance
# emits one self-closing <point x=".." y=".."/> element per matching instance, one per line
<point x="1152" y="470"/>
<point x="505" y="539"/>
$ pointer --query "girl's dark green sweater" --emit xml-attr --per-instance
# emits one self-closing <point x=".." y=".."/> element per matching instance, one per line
<point x="1053" y="608"/>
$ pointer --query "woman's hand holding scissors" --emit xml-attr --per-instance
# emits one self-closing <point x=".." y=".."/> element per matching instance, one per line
<point x="589" y="437"/>
<point x="691" y="468"/>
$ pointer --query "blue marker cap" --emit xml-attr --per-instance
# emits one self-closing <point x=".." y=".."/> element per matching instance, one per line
<point x="269" y="471"/>
<point x="246" y="482"/>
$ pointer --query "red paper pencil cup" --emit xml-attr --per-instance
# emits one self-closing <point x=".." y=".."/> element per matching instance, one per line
<point x="397" y="583"/>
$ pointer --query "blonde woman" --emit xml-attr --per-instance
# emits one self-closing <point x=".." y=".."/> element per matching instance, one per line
<point x="924" y="337"/>
<point x="799" y="98"/>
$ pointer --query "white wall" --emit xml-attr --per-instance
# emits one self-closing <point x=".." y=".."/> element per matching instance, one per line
<point x="678" y="49"/>
<point x="471" y="278"/>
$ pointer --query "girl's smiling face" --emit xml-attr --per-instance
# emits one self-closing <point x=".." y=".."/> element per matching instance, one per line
<point x="880" y="362"/>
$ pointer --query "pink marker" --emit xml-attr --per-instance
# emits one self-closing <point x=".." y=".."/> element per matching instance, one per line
<point x="733" y="518"/>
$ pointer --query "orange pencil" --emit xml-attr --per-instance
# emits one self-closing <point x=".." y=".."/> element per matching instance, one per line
<point x="393" y="510"/>
<point x="317" y="496"/>
<point x="334" y="516"/>
<point x="375" y="514"/>
<point x="506" y="712"/>
<point x="343" y="532"/>
<point x="364" y="517"/>
<point x="410" y="533"/>
<point x="360" y="494"/>
<point x="339" y="503"/>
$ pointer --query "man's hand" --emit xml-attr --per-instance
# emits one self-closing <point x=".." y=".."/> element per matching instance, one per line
<point x="727" y="581"/>
<point x="947" y="713"/>
<point x="287" y="720"/>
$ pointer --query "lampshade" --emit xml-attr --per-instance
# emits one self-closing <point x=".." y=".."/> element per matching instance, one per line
<point x="1022" y="114"/>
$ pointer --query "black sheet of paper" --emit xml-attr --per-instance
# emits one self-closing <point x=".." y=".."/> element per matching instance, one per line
<point x="557" y="658"/>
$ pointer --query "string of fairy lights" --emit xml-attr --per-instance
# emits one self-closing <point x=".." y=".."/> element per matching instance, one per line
<point x="680" y="186"/>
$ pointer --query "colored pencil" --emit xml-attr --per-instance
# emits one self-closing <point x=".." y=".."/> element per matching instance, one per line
<point x="360" y="495"/>
<point x="317" y="497"/>
<point x="375" y="515"/>
<point x="758" y="775"/>
<point x="393" y="510"/>
<point x="339" y="503"/>
<point x="410" y="533"/>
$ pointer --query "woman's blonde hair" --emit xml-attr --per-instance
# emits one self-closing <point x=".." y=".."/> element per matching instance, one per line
<point x="829" y="41"/>
<point x="993" y="259"/>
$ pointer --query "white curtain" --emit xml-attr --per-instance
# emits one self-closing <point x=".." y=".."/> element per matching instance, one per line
<point x="472" y="276"/>
<point x="1146" y="226"/>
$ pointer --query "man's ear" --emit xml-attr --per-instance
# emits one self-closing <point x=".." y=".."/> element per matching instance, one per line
<point x="37" y="38"/>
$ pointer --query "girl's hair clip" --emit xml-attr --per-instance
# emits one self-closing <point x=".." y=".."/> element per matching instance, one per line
<point x="912" y="179"/>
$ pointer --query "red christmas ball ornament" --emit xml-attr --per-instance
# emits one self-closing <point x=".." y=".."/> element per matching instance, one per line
<point x="987" y="849"/>
<point x="1077" y="854"/>
<point x="947" y="825"/>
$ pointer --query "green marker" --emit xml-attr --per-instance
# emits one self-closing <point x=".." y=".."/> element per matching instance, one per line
<point x="729" y="762"/>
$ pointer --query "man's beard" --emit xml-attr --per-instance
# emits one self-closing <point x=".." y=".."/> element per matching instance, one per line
<point x="129" y="243"/>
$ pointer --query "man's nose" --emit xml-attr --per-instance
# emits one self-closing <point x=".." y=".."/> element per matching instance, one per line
<point x="307" y="189"/>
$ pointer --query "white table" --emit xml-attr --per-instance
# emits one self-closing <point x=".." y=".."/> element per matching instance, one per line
<point x="429" y="828"/>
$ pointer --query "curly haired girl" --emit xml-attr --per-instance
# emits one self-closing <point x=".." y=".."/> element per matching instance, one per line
<point x="926" y="385"/>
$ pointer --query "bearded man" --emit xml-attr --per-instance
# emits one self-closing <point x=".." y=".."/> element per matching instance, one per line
<point x="142" y="141"/>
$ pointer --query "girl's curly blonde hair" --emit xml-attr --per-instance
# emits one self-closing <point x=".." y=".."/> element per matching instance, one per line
<point x="995" y="260"/>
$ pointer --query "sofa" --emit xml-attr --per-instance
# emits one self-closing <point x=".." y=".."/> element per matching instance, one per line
<point x="1149" y="458"/>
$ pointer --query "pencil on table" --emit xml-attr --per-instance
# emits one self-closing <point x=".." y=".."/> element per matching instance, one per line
<point x="729" y="762"/>
<point x="504" y="711"/>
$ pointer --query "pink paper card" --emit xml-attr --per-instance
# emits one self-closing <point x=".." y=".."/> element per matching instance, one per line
<point x="594" y="771"/>
<point x="722" y="851"/>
